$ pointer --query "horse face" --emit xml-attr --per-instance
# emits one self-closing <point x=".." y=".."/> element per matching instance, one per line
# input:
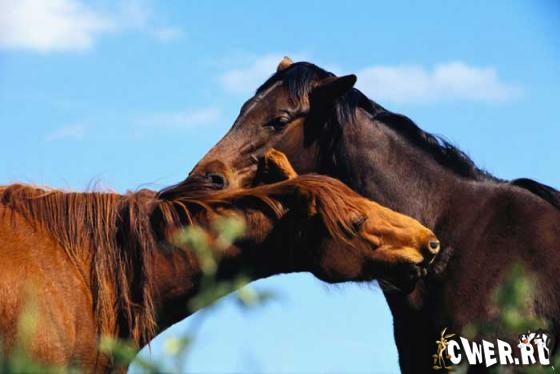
<point x="384" y="244"/>
<point x="273" y="118"/>
<point x="402" y="249"/>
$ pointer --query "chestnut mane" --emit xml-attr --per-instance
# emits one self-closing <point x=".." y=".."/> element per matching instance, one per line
<point x="115" y="233"/>
<point x="118" y="235"/>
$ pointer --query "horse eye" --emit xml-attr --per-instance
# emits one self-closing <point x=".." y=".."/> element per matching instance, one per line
<point x="278" y="123"/>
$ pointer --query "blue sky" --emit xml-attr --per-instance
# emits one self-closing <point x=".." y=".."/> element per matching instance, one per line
<point x="131" y="93"/>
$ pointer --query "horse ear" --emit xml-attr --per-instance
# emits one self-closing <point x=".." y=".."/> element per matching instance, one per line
<point x="321" y="103"/>
<point x="273" y="167"/>
<point x="286" y="61"/>
<point x="331" y="88"/>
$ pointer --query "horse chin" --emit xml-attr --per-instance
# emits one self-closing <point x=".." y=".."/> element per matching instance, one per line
<point x="405" y="279"/>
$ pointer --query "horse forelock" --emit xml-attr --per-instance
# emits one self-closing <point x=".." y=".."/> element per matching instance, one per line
<point x="318" y="195"/>
<point x="299" y="79"/>
<point x="336" y="204"/>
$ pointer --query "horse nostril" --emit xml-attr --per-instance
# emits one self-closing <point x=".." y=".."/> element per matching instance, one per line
<point x="218" y="180"/>
<point x="434" y="245"/>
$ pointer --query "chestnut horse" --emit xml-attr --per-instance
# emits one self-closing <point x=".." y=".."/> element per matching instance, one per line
<point x="325" y="125"/>
<point x="100" y="264"/>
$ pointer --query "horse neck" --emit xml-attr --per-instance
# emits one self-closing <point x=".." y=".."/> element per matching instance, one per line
<point x="177" y="274"/>
<point x="379" y="163"/>
<point x="262" y="252"/>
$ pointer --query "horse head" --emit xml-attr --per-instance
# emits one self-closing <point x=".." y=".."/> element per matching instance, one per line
<point x="289" y="112"/>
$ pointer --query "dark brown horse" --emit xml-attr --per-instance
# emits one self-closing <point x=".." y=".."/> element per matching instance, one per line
<point x="103" y="264"/>
<point x="325" y="125"/>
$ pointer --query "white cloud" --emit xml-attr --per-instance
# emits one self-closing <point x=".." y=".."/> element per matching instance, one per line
<point x="448" y="81"/>
<point x="187" y="119"/>
<point x="76" y="132"/>
<point x="402" y="84"/>
<point x="69" y="25"/>
<point x="50" y="25"/>
<point x="246" y="80"/>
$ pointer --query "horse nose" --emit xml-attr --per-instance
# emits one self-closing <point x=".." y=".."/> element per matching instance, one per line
<point x="214" y="174"/>
<point x="218" y="180"/>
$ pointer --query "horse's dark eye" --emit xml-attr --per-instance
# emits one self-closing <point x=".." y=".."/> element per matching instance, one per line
<point x="278" y="123"/>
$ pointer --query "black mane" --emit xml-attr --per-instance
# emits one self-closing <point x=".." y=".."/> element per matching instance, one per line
<point x="444" y="152"/>
<point x="299" y="79"/>
<point x="545" y="192"/>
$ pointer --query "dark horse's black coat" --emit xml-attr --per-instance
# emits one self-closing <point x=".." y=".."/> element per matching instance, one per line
<point x="485" y="224"/>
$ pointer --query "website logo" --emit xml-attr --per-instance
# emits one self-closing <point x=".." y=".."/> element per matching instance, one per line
<point x="441" y="354"/>
<point x="533" y="348"/>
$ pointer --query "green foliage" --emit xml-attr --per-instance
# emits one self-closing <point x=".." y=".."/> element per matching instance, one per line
<point x="18" y="359"/>
<point x="513" y="316"/>
<point x="209" y="247"/>
<point x="123" y="353"/>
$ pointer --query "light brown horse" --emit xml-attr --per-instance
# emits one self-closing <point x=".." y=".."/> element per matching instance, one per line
<point x="99" y="264"/>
